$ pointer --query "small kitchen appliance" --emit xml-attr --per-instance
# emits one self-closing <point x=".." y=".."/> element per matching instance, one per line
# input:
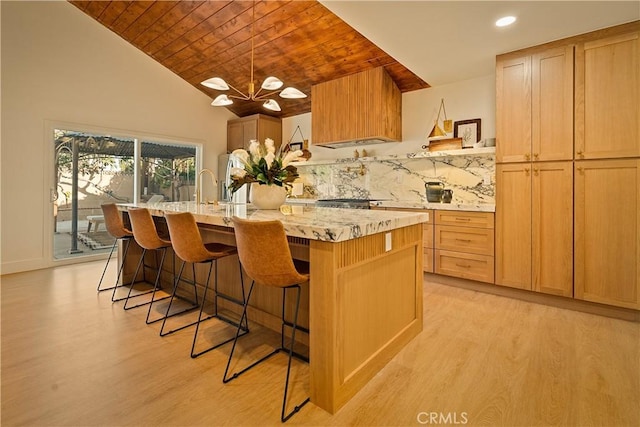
<point x="434" y="191"/>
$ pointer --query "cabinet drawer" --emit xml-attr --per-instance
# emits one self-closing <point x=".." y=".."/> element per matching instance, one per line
<point x="467" y="219"/>
<point x="465" y="239"/>
<point x="427" y="235"/>
<point x="466" y="266"/>
<point x="427" y="260"/>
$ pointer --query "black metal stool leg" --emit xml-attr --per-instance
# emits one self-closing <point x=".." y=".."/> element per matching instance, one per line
<point x="156" y="283"/>
<point x="226" y="378"/>
<point x="204" y="300"/>
<point x="120" y="268"/>
<point x="156" y="287"/>
<point x="215" y="314"/>
<point x="113" y="247"/>
<point x="174" y="296"/>
<point x="284" y="417"/>
<point x="147" y="321"/>
<point x="246" y="319"/>
<point x="113" y="296"/>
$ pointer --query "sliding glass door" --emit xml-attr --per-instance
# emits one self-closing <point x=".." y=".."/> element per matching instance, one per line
<point x="167" y="172"/>
<point x="95" y="168"/>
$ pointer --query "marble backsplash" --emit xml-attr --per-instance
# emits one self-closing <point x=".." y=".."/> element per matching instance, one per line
<point x="471" y="177"/>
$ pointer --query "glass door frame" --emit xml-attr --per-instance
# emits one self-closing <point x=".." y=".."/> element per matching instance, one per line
<point x="50" y="191"/>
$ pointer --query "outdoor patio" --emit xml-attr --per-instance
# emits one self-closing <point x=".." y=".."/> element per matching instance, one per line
<point x="90" y="243"/>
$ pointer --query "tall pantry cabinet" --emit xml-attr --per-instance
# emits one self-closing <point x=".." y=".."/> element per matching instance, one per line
<point x="534" y="207"/>
<point x="568" y="172"/>
<point x="607" y="170"/>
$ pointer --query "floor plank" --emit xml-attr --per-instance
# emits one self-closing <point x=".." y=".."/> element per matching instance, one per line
<point x="70" y="357"/>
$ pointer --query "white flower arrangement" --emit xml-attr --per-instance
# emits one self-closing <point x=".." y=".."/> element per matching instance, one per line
<point x="264" y="165"/>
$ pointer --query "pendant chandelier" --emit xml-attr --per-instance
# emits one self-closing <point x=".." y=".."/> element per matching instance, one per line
<point x="271" y="85"/>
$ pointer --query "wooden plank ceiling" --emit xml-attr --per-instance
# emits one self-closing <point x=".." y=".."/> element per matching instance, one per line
<point x="300" y="42"/>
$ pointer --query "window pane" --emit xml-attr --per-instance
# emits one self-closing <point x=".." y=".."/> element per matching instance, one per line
<point x="103" y="174"/>
<point x="167" y="172"/>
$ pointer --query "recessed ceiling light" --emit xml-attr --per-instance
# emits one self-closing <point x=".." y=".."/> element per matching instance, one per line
<point x="504" y="21"/>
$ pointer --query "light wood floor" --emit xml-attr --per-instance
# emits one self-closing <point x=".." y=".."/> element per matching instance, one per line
<point x="72" y="358"/>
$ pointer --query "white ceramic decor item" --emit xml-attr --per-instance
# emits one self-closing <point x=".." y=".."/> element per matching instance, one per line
<point x="267" y="196"/>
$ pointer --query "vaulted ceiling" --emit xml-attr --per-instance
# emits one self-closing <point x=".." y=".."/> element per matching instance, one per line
<point x="300" y="42"/>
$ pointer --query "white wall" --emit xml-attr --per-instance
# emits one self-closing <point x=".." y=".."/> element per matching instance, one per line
<point x="469" y="99"/>
<point x="60" y="65"/>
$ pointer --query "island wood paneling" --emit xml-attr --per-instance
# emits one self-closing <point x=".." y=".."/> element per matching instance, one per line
<point x="367" y="305"/>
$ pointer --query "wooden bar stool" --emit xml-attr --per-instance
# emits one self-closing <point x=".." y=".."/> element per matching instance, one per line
<point x="265" y="256"/>
<point x="116" y="228"/>
<point x="188" y="246"/>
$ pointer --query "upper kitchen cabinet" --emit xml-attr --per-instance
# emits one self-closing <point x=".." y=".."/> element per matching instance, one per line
<point x="258" y="126"/>
<point x="513" y="109"/>
<point x="608" y="97"/>
<point x="366" y="106"/>
<point x="534" y="105"/>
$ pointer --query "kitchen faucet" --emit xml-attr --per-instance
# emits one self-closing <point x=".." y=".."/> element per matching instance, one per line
<point x="214" y="181"/>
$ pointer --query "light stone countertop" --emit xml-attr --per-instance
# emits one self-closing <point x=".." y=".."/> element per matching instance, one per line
<point x="473" y="207"/>
<point x="305" y="221"/>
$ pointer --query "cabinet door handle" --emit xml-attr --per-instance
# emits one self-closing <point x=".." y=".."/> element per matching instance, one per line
<point x="463" y="265"/>
<point x="526" y="170"/>
<point x="464" y="240"/>
<point x="463" y="219"/>
<point x="580" y="169"/>
<point x="535" y="156"/>
<point x="527" y="156"/>
<point x="535" y="171"/>
<point x="580" y="153"/>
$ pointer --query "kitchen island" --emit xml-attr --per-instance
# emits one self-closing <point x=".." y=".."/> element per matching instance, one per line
<point x="364" y="299"/>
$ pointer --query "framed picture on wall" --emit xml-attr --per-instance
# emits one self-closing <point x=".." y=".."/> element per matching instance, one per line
<point x="468" y="130"/>
<point x="293" y="146"/>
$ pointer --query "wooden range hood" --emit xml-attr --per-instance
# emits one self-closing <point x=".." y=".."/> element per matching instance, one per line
<point x="360" y="109"/>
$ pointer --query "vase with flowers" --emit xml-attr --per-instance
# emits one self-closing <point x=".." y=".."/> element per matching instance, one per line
<point x="269" y="171"/>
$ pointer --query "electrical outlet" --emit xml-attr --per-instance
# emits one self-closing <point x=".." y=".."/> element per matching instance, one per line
<point x="487" y="180"/>
<point x="387" y="242"/>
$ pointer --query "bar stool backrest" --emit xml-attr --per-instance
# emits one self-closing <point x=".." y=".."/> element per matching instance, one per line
<point x="144" y="229"/>
<point x="113" y="221"/>
<point x="186" y="238"/>
<point x="264" y="253"/>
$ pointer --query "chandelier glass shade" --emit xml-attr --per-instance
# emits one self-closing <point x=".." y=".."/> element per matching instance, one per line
<point x="271" y="85"/>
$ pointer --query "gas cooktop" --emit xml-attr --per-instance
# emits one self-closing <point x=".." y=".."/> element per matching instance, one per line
<point x="344" y="203"/>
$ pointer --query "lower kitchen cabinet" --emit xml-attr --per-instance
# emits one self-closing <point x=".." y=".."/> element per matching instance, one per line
<point x="464" y="265"/>
<point x="513" y="225"/>
<point x="552" y="228"/>
<point x="534" y="213"/>
<point x="427" y="245"/>
<point x="464" y="245"/>
<point x="607" y="232"/>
